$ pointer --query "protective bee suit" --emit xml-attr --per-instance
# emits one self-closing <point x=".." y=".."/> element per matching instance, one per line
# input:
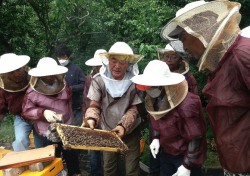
<point x="226" y="56"/>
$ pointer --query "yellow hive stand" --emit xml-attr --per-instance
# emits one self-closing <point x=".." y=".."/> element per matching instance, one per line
<point x="53" y="169"/>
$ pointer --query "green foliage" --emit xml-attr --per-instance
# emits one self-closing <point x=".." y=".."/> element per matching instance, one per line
<point x="35" y="27"/>
<point x="212" y="160"/>
<point x="149" y="52"/>
<point x="201" y="78"/>
<point x="7" y="129"/>
<point x="145" y="157"/>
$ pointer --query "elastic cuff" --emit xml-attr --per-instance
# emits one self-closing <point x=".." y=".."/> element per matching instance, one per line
<point x="186" y="166"/>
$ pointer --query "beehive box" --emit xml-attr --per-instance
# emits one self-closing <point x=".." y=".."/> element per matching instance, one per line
<point x="87" y="139"/>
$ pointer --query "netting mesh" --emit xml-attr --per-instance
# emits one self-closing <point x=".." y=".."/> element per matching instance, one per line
<point x="175" y="94"/>
<point x="177" y="45"/>
<point x="216" y="50"/>
<point x="204" y="25"/>
<point x="11" y="86"/>
<point x="39" y="86"/>
<point x="215" y="24"/>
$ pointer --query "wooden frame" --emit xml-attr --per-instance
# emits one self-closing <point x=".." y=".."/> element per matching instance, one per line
<point x="97" y="132"/>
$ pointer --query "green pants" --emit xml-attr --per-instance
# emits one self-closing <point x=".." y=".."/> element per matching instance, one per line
<point x="116" y="164"/>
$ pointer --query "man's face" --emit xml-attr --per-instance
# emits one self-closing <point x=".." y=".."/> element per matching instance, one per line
<point x="49" y="79"/>
<point x="172" y="59"/>
<point x="18" y="76"/>
<point x="192" y="45"/>
<point x="117" y="68"/>
<point x="63" y="57"/>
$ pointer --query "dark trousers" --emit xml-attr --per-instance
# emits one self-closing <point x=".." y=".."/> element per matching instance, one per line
<point x="154" y="164"/>
<point x="95" y="158"/>
<point x="170" y="164"/>
<point x="77" y="119"/>
<point x="116" y="164"/>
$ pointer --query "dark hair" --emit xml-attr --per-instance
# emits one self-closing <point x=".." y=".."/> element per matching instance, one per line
<point x="62" y="50"/>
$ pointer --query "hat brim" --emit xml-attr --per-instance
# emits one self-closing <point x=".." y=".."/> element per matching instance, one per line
<point x="173" y="78"/>
<point x="175" y="32"/>
<point x="19" y="62"/>
<point x="173" y="28"/>
<point x="132" y="58"/>
<point x="163" y="50"/>
<point x="39" y="72"/>
<point x="94" y="62"/>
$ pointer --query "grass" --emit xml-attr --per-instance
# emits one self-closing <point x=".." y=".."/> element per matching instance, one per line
<point x="7" y="129"/>
<point x="212" y="160"/>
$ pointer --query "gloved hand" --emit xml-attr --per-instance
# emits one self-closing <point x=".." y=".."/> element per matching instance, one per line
<point x="51" y="116"/>
<point x="154" y="147"/>
<point x="52" y="134"/>
<point x="182" y="171"/>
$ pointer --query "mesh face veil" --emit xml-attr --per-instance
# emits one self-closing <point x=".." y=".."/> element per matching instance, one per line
<point x="175" y="94"/>
<point x="215" y="24"/>
<point x="39" y="86"/>
<point x="11" y="86"/>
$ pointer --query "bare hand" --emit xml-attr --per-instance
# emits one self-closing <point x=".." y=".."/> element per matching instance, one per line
<point x="84" y="123"/>
<point x="90" y="123"/>
<point x="119" y="130"/>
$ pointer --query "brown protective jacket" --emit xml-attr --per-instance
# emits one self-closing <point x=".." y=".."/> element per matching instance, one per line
<point x="180" y="127"/>
<point x="11" y="102"/>
<point x="228" y="90"/>
<point x="113" y="110"/>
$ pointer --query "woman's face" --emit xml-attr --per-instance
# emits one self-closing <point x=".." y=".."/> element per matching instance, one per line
<point x="118" y="68"/>
<point x="192" y="45"/>
<point x="172" y="59"/>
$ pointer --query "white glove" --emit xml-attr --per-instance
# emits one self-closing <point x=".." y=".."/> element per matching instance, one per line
<point x="51" y="116"/>
<point x="154" y="147"/>
<point x="182" y="171"/>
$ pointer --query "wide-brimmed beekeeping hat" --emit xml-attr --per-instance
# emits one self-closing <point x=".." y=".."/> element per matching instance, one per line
<point x="168" y="47"/>
<point x="245" y="32"/>
<point x="46" y="67"/>
<point x="10" y="62"/>
<point x="157" y="73"/>
<point x="97" y="59"/>
<point x="215" y="24"/>
<point x="123" y="51"/>
<point x="173" y="45"/>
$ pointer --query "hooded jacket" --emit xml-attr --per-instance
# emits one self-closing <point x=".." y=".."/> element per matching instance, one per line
<point x="35" y="103"/>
